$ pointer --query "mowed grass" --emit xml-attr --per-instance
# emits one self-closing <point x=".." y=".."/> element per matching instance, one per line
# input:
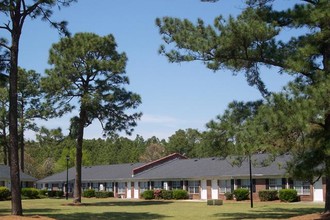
<point x="140" y="209"/>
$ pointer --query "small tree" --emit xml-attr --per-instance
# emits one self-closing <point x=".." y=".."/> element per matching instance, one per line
<point x="88" y="69"/>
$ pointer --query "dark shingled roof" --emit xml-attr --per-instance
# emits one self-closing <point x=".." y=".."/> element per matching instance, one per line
<point x="96" y="173"/>
<point x="214" y="167"/>
<point x="5" y="174"/>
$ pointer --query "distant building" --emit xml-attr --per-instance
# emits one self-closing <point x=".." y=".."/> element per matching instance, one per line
<point x="26" y="180"/>
<point x="203" y="178"/>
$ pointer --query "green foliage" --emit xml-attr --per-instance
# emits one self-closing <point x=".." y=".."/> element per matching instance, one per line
<point x="180" y="194"/>
<point x="241" y="194"/>
<point x="229" y="196"/>
<point x="30" y="193"/>
<point x="288" y="195"/>
<point x="102" y="194"/>
<point x="89" y="193"/>
<point x="167" y="194"/>
<point x="4" y="193"/>
<point x="148" y="194"/>
<point x="268" y="195"/>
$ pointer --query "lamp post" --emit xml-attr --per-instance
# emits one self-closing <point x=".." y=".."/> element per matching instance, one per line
<point x="251" y="182"/>
<point x="67" y="177"/>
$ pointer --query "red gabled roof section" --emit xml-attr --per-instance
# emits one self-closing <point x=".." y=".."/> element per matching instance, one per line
<point x="157" y="163"/>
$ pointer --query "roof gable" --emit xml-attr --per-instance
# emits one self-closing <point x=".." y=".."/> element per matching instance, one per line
<point x="156" y="163"/>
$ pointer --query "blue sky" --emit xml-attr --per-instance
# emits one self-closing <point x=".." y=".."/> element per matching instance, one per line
<point x="174" y="96"/>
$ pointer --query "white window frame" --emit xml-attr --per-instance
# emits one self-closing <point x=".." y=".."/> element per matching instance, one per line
<point x="176" y="185"/>
<point x="109" y="186"/>
<point x="121" y="187"/>
<point x="302" y="187"/>
<point x="245" y="184"/>
<point x="193" y="186"/>
<point x="224" y="186"/>
<point x="143" y="186"/>
<point x="275" y="184"/>
<point x="157" y="184"/>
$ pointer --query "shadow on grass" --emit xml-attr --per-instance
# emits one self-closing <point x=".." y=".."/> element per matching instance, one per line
<point x="107" y="215"/>
<point x="128" y="203"/>
<point x="271" y="213"/>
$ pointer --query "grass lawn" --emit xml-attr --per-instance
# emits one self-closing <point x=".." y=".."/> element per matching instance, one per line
<point x="139" y="209"/>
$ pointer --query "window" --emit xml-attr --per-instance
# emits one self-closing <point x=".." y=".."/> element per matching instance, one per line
<point x="121" y="187"/>
<point x="225" y="186"/>
<point x="302" y="187"/>
<point x="176" y="185"/>
<point x="193" y="187"/>
<point x="275" y="184"/>
<point x="108" y="187"/>
<point x="245" y="183"/>
<point x="143" y="186"/>
<point x="158" y="185"/>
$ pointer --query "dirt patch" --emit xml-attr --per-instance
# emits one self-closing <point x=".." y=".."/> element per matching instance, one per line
<point x="315" y="216"/>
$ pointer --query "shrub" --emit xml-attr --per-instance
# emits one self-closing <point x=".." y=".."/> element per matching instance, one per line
<point x="148" y="194"/>
<point x="268" y="195"/>
<point x="180" y="194"/>
<point x="51" y="194"/>
<point x="158" y="194"/>
<point x="102" y="194"/>
<point x="4" y="193"/>
<point x="59" y="194"/>
<point x="288" y="195"/>
<point x="229" y="196"/>
<point x="43" y="192"/>
<point x="30" y="193"/>
<point x="111" y="194"/>
<point x="241" y="194"/>
<point x="167" y="194"/>
<point x="89" y="193"/>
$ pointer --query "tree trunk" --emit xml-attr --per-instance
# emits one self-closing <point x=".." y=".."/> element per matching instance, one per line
<point x="13" y="133"/>
<point x="22" y="147"/>
<point x="80" y="136"/>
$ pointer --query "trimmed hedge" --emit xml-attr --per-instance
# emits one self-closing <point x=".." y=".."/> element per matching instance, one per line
<point x="268" y="195"/>
<point x="103" y="194"/>
<point x="148" y="194"/>
<point x="89" y="193"/>
<point x="288" y="195"/>
<point x="30" y="193"/>
<point x="180" y="194"/>
<point x="4" y="193"/>
<point x="241" y="194"/>
<point x="167" y="194"/>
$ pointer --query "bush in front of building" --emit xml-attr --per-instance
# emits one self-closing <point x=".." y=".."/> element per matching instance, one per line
<point x="167" y="194"/>
<point x="30" y="193"/>
<point x="241" y="194"/>
<point x="4" y="193"/>
<point x="103" y="194"/>
<point x="180" y="194"/>
<point x="89" y="193"/>
<point x="288" y="195"/>
<point x="268" y="195"/>
<point x="229" y="196"/>
<point x="148" y="194"/>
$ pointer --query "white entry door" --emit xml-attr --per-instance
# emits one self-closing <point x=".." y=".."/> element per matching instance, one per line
<point x="318" y="191"/>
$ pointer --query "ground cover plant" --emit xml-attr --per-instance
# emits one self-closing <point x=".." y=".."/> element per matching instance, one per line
<point x="110" y="208"/>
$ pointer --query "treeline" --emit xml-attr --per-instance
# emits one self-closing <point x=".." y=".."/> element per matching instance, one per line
<point x="47" y="155"/>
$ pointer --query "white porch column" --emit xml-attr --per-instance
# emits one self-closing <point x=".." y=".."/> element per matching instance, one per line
<point x="203" y="189"/>
<point x="136" y="190"/>
<point x="215" y="189"/>
<point x="129" y="190"/>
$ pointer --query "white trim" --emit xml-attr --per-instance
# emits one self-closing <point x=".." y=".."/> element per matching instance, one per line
<point x="203" y="189"/>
